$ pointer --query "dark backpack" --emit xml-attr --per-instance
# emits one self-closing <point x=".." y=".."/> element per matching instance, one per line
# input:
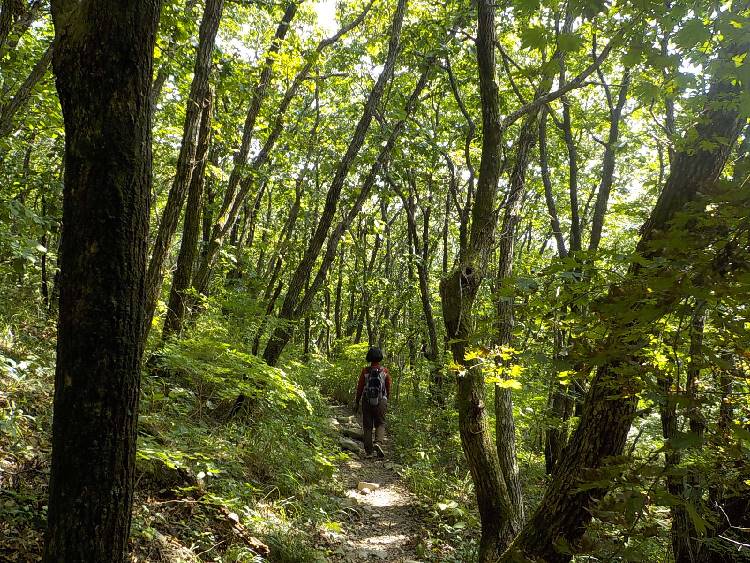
<point x="375" y="385"/>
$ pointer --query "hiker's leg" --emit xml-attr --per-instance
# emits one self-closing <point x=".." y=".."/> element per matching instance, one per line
<point x="380" y="420"/>
<point x="367" y="422"/>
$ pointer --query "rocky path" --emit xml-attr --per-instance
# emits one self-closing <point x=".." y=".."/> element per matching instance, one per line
<point x="384" y="522"/>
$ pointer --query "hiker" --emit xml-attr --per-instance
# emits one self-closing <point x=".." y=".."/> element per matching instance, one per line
<point x="373" y="390"/>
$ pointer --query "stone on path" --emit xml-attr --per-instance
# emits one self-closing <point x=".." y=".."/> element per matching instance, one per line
<point x="353" y="433"/>
<point x="350" y="445"/>
<point x="366" y="485"/>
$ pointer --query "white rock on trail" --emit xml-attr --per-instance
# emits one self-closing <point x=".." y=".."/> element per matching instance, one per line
<point x="365" y="485"/>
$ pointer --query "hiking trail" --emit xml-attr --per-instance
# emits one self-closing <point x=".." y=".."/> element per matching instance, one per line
<point x="384" y="523"/>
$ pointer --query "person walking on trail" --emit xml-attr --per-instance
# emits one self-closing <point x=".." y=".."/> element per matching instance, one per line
<point x="373" y="390"/>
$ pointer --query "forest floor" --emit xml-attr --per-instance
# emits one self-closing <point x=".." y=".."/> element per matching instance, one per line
<point x="385" y="522"/>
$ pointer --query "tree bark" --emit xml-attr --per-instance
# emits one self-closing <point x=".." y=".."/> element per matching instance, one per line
<point x="104" y="89"/>
<point x="186" y="161"/>
<point x="608" y="163"/>
<point x="548" y="197"/>
<point x="338" y="304"/>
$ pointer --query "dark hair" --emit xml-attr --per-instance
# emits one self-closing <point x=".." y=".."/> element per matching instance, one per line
<point x="374" y="354"/>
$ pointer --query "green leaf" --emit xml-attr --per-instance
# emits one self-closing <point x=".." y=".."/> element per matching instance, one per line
<point x="632" y="56"/>
<point x="525" y="7"/>
<point x="569" y="42"/>
<point x="534" y="37"/>
<point x="698" y="522"/>
<point x="510" y="384"/>
<point x="693" y="32"/>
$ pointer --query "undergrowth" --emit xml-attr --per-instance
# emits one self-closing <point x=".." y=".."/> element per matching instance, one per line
<point x="215" y="480"/>
<point x="237" y="461"/>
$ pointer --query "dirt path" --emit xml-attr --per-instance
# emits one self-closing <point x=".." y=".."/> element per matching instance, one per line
<point x="384" y="524"/>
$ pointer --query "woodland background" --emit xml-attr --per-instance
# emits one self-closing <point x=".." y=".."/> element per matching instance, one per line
<point x="538" y="209"/>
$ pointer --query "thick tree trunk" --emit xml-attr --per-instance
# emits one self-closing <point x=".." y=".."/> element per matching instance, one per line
<point x="104" y="89"/>
<point x="186" y="161"/>
<point x="564" y="512"/>
<point x="178" y="300"/>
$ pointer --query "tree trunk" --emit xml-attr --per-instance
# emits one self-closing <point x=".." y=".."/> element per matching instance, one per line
<point x="549" y="198"/>
<point x="570" y="145"/>
<point x="458" y="292"/>
<point x="269" y="310"/>
<point x="421" y="251"/>
<point x="178" y="300"/>
<point x="505" y="428"/>
<point x="234" y="198"/>
<point x="608" y="163"/>
<point x="9" y="109"/>
<point x="104" y="88"/>
<point x="338" y="304"/>
<point x="350" y="312"/>
<point x="232" y="201"/>
<point x="186" y="161"/>
<point x="44" y="241"/>
<point x="564" y="512"/>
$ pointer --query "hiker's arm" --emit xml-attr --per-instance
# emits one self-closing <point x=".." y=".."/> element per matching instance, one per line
<point x="360" y="388"/>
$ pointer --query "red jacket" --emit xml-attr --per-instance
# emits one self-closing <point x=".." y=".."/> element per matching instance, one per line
<point x="363" y="379"/>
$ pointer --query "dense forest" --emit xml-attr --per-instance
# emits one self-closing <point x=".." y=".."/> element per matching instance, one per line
<point x="539" y="210"/>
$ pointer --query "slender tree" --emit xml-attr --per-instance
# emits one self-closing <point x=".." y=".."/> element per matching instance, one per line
<point x="178" y="300"/>
<point x="186" y="161"/>
<point x="458" y="292"/>
<point x="295" y="289"/>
